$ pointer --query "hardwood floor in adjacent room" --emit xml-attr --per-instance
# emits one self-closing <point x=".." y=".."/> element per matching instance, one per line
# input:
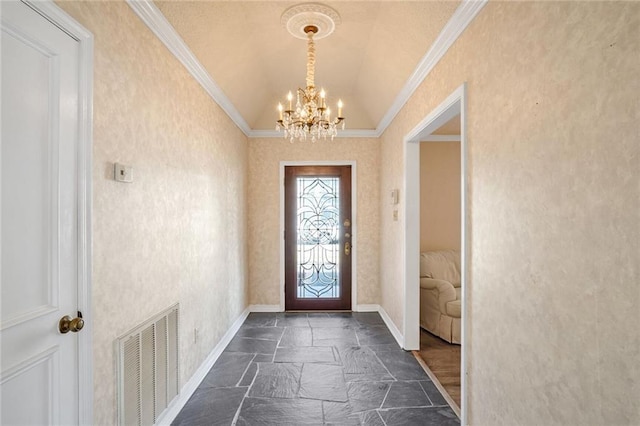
<point x="443" y="359"/>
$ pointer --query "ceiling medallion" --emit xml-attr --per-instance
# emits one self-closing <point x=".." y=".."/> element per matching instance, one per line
<point x="311" y="117"/>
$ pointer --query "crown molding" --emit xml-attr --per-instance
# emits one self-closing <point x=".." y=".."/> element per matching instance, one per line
<point x="158" y="24"/>
<point x="442" y="138"/>
<point x="358" y="133"/>
<point x="459" y="21"/>
<point x="348" y="133"/>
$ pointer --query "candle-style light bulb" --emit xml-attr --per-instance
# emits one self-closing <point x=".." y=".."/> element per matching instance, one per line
<point x="322" y="96"/>
<point x="289" y="98"/>
<point x="340" y="107"/>
<point x="280" y="109"/>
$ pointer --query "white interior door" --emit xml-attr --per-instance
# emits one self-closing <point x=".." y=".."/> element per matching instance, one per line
<point x="39" y="219"/>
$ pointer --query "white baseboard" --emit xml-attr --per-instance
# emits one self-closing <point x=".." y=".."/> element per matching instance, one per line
<point x="392" y="327"/>
<point x="265" y="308"/>
<point x="170" y="413"/>
<point x="367" y="308"/>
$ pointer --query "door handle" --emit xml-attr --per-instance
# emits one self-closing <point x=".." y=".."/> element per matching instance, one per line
<point x="347" y="248"/>
<point x="68" y="324"/>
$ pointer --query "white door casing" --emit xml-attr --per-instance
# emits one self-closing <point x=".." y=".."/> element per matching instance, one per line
<point x="45" y="375"/>
<point x="453" y="105"/>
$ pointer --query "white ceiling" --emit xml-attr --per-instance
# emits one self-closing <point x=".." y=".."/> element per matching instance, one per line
<point x="255" y="61"/>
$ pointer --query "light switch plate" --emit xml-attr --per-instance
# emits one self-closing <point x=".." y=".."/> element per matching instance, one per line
<point x="122" y="173"/>
<point x="395" y="195"/>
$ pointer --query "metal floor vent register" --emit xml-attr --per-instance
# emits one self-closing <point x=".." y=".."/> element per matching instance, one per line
<point x="148" y="369"/>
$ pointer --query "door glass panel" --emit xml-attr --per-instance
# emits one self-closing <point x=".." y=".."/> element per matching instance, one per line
<point x="318" y="251"/>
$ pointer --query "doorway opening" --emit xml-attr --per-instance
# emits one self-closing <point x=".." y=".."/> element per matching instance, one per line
<point x="452" y="107"/>
<point x="318" y="237"/>
<point x="440" y="243"/>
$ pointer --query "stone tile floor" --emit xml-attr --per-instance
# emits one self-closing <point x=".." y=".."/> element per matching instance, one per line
<point x="316" y="369"/>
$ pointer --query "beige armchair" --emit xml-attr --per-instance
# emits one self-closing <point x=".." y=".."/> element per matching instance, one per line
<point x="440" y="294"/>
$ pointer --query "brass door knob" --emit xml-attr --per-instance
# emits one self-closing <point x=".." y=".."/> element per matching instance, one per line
<point x="68" y="324"/>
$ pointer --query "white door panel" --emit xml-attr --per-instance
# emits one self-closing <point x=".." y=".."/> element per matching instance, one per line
<point x="37" y="378"/>
<point x="29" y="178"/>
<point x="39" y="222"/>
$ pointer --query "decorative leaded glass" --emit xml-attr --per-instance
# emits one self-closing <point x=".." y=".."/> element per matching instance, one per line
<point x="318" y="251"/>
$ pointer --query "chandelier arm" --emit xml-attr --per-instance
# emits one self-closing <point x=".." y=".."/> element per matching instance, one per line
<point x="311" y="60"/>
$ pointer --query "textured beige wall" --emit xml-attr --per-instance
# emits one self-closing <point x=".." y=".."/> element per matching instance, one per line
<point x="177" y="234"/>
<point x="439" y="196"/>
<point x="265" y="156"/>
<point x="554" y="170"/>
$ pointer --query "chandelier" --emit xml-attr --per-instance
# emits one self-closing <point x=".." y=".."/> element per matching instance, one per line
<point x="309" y="117"/>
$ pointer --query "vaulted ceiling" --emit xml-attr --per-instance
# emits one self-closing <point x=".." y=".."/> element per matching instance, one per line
<point x="374" y="52"/>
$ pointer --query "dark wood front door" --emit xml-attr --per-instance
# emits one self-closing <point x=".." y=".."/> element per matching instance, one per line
<point x="318" y="236"/>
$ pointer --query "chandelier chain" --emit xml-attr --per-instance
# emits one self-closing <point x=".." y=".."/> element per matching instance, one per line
<point x="311" y="60"/>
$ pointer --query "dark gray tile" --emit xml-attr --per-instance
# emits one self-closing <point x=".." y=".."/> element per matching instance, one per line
<point x="369" y="377"/>
<point x="323" y="381"/>
<point x="392" y="347"/>
<point x="334" y="336"/>
<point x="403" y="365"/>
<point x="263" y="358"/>
<point x="305" y="354"/>
<point x="360" y="360"/>
<point x="365" y="396"/>
<point x="280" y="412"/>
<point x="433" y="393"/>
<point x="296" y="336"/>
<point x="370" y="418"/>
<point x="211" y="406"/>
<point x="420" y="416"/>
<point x="249" y="345"/>
<point x="339" y="413"/>
<point x="406" y="394"/>
<point x="375" y="335"/>
<point x="227" y="371"/>
<point x="292" y="314"/>
<point x="340" y="314"/>
<point x="249" y="374"/>
<point x="288" y="367"/>
<point x="292" y="320"/>
<point x="368" y="318"/>
<point x="276" y="381"/>
<point x="247" y="379"/>
<point x="332" y="322"/>
<point x="264" y="333"/>
<point x="260" y="319"/>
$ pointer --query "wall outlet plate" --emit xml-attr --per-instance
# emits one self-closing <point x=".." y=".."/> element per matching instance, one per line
<point x="122" y="173"/>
